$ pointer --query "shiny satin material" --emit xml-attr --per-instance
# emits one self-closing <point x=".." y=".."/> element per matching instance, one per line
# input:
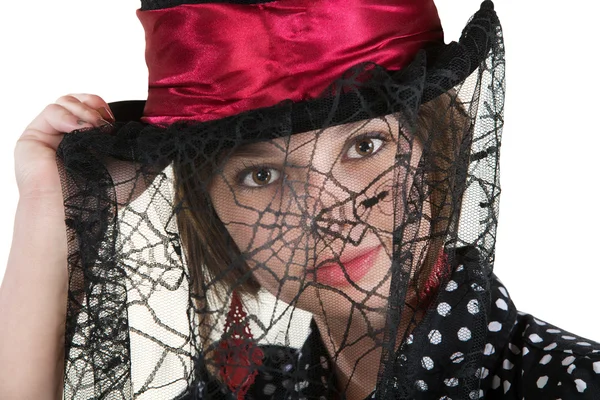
<point x="209" y="61"/>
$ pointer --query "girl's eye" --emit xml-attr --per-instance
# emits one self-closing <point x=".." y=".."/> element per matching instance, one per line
<point x="364" y="147"/>
<point x="260" y="177"/>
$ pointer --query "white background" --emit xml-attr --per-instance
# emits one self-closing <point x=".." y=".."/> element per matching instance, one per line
<point x="549" y="221"/>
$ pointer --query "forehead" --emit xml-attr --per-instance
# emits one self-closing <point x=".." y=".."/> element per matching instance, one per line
<point x="304" y="140"/>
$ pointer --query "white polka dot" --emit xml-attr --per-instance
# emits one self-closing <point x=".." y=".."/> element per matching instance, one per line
<point x="324" y="362"/>
<point x="476" y="394"/>
<point x="506" y="385"/>
<point x="571" y="368"/>
<point x="568" y="351"/>
<point x="473" y="306"/>
<point x="464" y="334"/>
<point x="457" y="357"/>
<point x="427" y="363"/>
<point x="269" y="389"/>
<point x="444" y="309"/>
<point x="421" y="385"/>
<point x="596" y="367"/>
<point x="581" y="385"/>
<point x="476" y="287"/>
<point x="435" y="337"/>
<point x="300" y="386"/>
<point x="452" y="382"/>
<point x="540" y="323"/>
<point x="552" y="330"/>
<point x="489" y="349"/>
<point x="501" y="304"/>
<point x="451" y="286"/>
<point x="514" y="349"/>
<point x="546" y="359"/>
<point x="541" y="382"/>
<point x="409" y="339"/>
<point x="525" y="351"/>
<point x="551" y="346"/>
<point x="503" y="291"/>
<point x="460" y="268"/>
<point x="585" y="344"/>
<point x="535" y="338"/>
<point x="507" y="364"/>
<point x="495" y="382"/>
<point x="495" y="326"/>
<point x="568" y="360"/>
<point x="482" y="373"/>
<point x="567" y="337"/>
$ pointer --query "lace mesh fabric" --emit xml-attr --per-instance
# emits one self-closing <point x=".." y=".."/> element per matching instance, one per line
<point x="344" y="214"/>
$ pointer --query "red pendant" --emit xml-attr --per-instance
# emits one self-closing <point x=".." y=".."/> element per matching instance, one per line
<point x="238" y="355"/>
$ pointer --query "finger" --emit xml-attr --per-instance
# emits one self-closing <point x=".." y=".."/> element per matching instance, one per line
<point x="81" y="110"/>
<point x="97" y="103"/>
<point x="51" y="124"/>
<point x="51" y="141"/>
<point x="56" y="119"/>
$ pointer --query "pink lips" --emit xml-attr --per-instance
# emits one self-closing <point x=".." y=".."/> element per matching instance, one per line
<point x="352" y="268"/>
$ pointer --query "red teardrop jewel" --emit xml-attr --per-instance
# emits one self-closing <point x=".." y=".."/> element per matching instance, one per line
<point x="238" y="354"/>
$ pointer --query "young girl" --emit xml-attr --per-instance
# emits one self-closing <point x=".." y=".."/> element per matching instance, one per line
<point x="305" y="207"/>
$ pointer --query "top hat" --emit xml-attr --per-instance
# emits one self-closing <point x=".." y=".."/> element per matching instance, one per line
<point x="211" y="61"/>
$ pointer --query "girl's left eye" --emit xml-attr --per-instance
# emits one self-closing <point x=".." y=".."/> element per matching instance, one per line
<point x="260" y="177"/>
<point x="364" y="147"/>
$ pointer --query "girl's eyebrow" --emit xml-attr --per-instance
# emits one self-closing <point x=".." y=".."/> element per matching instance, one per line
<point x="281" y="148"/>
<point x="256" y="150"/>
<point x="271" y="149"/>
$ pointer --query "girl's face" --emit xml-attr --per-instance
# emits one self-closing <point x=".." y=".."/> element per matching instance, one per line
<point x="313" y="213"/>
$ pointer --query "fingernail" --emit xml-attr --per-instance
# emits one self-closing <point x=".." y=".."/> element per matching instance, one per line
<point x="103" y="122"/>
<point x="106" y="114"/>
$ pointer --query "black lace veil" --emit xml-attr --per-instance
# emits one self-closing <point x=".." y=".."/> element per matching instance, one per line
<point x="212" y="259"/>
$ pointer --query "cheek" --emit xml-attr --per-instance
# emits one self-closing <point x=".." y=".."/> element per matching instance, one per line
<point x="260" y="235"/>
<point x="240" y="214"/>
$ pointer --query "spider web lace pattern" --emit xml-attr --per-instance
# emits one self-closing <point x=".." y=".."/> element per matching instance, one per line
<point x="286" y="205"/>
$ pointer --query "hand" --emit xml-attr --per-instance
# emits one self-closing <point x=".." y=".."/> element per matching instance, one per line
<point x="35" y="152"/>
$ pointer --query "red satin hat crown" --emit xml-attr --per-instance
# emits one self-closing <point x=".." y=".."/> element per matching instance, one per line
<point x="213" y="60"/>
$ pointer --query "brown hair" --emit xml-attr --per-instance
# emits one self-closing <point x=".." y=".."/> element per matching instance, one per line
<point x="445" y="129"/>
<point x="443" y="126"/>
